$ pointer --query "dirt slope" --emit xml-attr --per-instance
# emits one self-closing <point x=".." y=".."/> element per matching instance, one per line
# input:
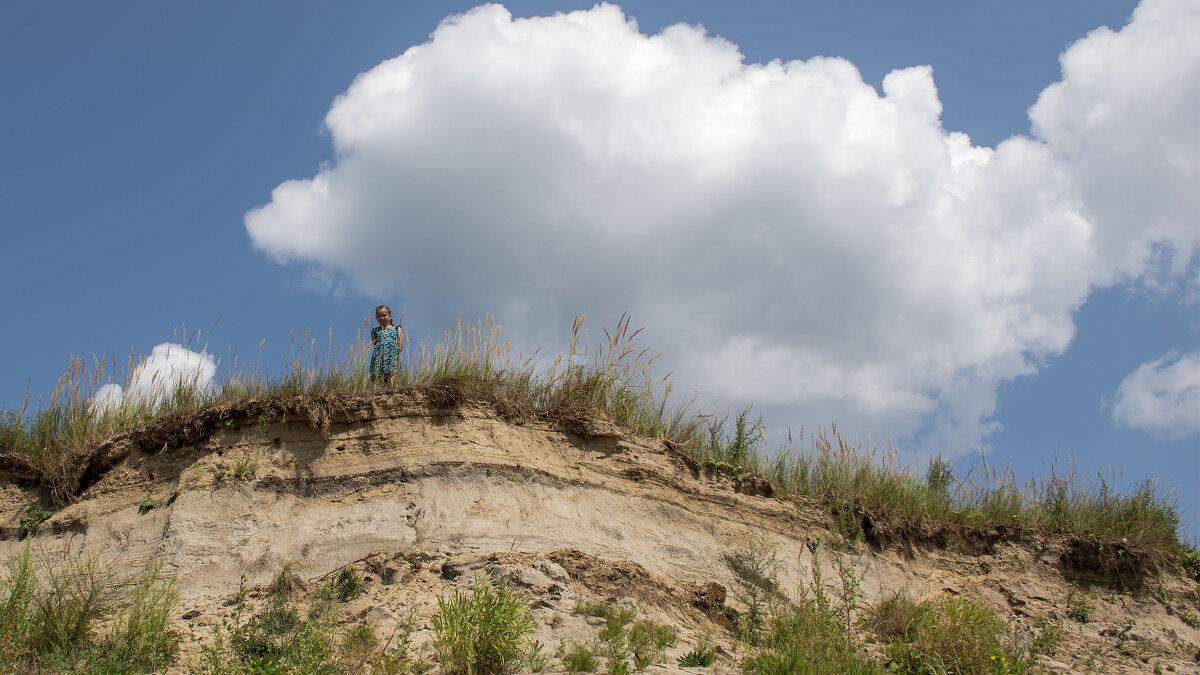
<point x="420" y="497"/>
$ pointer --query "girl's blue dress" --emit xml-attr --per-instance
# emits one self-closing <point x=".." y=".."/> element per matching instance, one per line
<point x="385" y="352"/>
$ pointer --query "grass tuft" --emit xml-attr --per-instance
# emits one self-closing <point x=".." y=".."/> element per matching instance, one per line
<point x="703" y="655"/>
<point x="483" y="632"/>
<point x="949" y="634"/>
<point x="621" y="640"/>
<point x="579" y="657"/>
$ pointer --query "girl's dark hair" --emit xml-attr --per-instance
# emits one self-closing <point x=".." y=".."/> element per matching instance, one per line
<point x="389" y="309"/>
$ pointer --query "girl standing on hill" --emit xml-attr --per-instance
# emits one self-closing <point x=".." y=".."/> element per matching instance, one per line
<point x="386" y="343"/>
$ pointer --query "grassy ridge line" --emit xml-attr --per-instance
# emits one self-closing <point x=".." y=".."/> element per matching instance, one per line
<point x="861" y="485"/>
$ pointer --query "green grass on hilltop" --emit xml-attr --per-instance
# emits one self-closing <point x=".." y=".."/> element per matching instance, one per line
<point x="867" y="491"/>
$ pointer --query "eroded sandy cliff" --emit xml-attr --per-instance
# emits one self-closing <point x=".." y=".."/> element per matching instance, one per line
<point x="421" y="496"/>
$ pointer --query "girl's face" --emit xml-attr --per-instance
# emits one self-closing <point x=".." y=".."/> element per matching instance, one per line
<point x="383" y="316"/>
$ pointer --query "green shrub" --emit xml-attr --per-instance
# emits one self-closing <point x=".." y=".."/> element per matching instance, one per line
<point x="142" y="639"/>
<point x="1046" y="638"/>
<point x="275" y="639"/>
<point x="1188" y="617"/>
<point x="952" y="635"/>
<point x="896" y="617"/>
<point x="940" y="476"/>
<point x="244" y="469"/>
<point x="615" y="623"/>
<point x="18" y="596"/>
<point x="808" y="638"/>
<point x="756" y="565"/>
<point x="484" y="632"/>
<point x="49" y="607"/>
<point x="77" y="589"/>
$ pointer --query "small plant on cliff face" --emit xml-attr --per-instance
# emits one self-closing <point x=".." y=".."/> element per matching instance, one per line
<point x="812" y="633"/>
<point x="262" y="430"/>
<point x="736" y="448"/>
<point x="396" y="661"/>
<point x="349" y="585"/>
<point x="621" y="638"/>
<point x="31" y="518"/>
<point x="649" y="640"/>
<point x="279" y="637"/>
<point x="1078" y="606"/>
<point x="346" y="585"/>
<point x="579" y="657"/>
<point x="756" y="564"/>
<point x="702" y="656"/>
<point x="142" y="638"/>
<point x="359" y="641"/>
<point x="737" y="471"/>
<point x="483" y="632"/>
<point x="1046" y="638"/>
<point x="245" y="468"/>
<point x="1189" y="563"/>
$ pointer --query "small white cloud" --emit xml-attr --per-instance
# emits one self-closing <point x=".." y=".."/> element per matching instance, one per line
<point x="1162" y="397"/>
<point x="156" y="376"/>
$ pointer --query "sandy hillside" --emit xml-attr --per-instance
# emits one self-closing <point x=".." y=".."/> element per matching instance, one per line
<point x="421" y="498"/>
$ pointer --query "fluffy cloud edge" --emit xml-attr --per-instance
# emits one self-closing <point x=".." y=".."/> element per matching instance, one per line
<point x="1162" y="397"/>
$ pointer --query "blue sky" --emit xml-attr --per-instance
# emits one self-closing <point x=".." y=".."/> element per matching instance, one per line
<point x="802" y="236"/>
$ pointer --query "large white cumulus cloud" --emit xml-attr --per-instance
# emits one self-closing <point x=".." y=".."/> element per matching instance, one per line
<point x="1162" y="397"/>
<point x="157" y="376"/>
<point x="787" y="234"/>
